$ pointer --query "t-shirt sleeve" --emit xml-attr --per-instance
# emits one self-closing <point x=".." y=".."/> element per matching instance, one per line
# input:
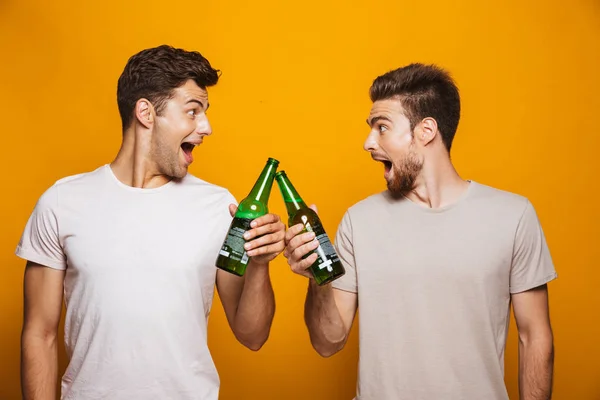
<point x="229" y="199"/>
<point x="345" y="249"/>
<point x="532" y="264"/>
<point x="40" y="241"/>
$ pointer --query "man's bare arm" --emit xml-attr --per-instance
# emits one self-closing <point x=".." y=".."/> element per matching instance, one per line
<point x="43" y="295"/>
<point x="329" y="314"/>
<point x="536" y="349"/>
<point x="248" y="301"/>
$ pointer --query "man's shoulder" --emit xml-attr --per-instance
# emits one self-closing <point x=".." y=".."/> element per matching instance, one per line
<point x="495" y="197"/>
<point x="368" y="209"/>
<point x="80" y="178"/>
<point x="368" y="201"/>
<point x="375" y="202"/>
<point x="201" y="186"/>
<point x="60" y="188"/>
<point x="480" y="195"/>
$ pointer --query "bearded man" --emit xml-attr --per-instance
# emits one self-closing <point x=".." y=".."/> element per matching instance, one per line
<point x="434" y="262"/>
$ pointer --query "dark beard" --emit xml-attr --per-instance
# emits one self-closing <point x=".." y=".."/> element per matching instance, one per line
<point x="404" y="176"/>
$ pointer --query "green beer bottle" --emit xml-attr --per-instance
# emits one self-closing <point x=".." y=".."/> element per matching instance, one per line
<point x="328" y="266"/>
<point x="232" y="256"/>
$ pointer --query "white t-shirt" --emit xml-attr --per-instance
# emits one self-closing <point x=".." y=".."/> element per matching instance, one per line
<point x="140" y="276"/>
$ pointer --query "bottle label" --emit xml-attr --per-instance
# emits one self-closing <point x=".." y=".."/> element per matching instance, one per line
<point x="326" y="252"/>
<point x="233" y="247"/>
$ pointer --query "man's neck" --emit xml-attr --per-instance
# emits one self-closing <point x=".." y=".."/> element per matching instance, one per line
<point x="133" y="165"/>
<point x="438" y="185"/>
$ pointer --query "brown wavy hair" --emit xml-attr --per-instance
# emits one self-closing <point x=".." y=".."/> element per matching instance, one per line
<point x="154" y="73"/>
<point x="424" y="91"/>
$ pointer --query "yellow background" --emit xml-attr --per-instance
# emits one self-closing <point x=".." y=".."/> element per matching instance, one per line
<point x="295" y="87"/>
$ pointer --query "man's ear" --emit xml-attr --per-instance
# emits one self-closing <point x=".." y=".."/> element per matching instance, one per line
<point x="427" y="131"/>
<point x="144" y="112"/>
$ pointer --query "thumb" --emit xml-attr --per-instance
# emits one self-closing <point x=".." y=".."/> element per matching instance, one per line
<point x="314" y="208"/>
<point x="232" y="209"/>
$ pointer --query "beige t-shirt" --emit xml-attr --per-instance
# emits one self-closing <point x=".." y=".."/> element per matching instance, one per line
<point x="434" y="290"/>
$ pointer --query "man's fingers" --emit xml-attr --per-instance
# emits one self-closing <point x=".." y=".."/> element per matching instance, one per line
<point x="264" y="220"/>
<point x="275" y="248"/>
<point x="293" y="231"/>
<point x="314" y="208"/>
<point x="298" y="245"/>
<point x="232" y="209"/>
<point x="301" y="266"/>
<point x="299" y="240"/>
<point x="303" y="250"/>
<point x="271" y="238"/>
<point x="293" y="252"/>
<point x="264" y="229"/>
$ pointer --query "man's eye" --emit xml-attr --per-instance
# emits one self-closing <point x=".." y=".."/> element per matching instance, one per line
<point x="192" y="113"/>
<point x="382" y="128"/>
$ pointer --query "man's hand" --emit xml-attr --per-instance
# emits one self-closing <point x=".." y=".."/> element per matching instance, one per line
<point x="298" y="245"/>
<point x="265" y="240"/>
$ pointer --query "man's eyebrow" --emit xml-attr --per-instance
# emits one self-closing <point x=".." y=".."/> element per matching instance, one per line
<point x="377" y="118"/>
<point x="199" y="103"/>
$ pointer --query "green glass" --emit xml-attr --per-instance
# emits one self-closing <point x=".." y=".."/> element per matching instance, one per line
<point x="232" y="256"/>
<point x="328" y="266"/>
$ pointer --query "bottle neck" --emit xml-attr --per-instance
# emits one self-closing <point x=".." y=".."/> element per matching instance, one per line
<point x="293" y="201"/>
<point x="262" y="188"/>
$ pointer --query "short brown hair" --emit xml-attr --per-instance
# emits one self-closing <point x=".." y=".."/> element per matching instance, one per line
<point x="424" y="91"/>
<point x="154" y="73"/>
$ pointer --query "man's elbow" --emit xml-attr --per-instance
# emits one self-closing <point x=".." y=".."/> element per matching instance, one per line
<point x="254" y="343"/>
<point x="326" y="352"/>
<point x="542" y="339"/>
<point x="254" y="346"/>
<point x="39" y="336"/>
<point x="327" y="349"/>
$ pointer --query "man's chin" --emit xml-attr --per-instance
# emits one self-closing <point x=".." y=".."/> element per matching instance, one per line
<point x="395" y="193"/>
<point x="180" y="173"/>
<point x="393" y="189"/>
<point x="397" y="189"/>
